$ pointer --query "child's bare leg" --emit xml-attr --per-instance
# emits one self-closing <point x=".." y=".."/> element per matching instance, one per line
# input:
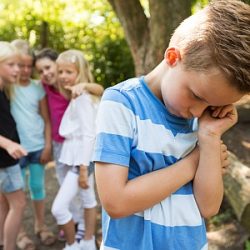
<point x="69" y="230"/>
<point x="41" y="230"/>
<point x="39" y="209"/>
<point x="90" y="222"/>
<point x="4" y="208"/>
<point x="17" y="202"/>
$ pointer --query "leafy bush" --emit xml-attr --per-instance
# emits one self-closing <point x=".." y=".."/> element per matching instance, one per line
<point x="90" y="27"/>
<point x="248" y="245"/>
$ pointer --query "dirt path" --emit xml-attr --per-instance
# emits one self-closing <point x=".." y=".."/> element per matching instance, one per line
<point x="51" y="189"/>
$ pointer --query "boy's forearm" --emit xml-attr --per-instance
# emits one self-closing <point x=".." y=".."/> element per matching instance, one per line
<point x="122" y="198"/>
<point x="208" y="183"/>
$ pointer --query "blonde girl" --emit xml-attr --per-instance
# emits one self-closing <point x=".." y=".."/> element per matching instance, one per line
<point x="12" y="197"/>
<point x="78" y="128"/>
<point x="45" y="63"/>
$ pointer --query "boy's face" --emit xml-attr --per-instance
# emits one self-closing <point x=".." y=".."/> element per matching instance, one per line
<point x="47" y="70"/>
<point x="187" y="94"/>
<point x="25" y="65"/>
<point x="9" y="70"/>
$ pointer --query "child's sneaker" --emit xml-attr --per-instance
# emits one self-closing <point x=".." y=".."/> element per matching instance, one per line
<point x="88" y="244"/>
<point x="74" y="246"/>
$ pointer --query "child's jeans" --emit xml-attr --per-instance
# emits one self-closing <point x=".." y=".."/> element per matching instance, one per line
<point x="11" y="179"/>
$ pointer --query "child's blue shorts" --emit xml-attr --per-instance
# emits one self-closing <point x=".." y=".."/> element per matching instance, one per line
<point x="11" y="179"/>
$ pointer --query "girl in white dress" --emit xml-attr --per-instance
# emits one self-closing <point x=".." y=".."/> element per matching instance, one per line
<point x="78" y="129"/>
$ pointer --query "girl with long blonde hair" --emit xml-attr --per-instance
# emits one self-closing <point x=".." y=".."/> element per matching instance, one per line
<point x="78" y="129"/>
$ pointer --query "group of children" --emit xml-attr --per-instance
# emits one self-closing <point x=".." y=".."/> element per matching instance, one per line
<point x="40" y="117"/>
<point x="156" y="140"/>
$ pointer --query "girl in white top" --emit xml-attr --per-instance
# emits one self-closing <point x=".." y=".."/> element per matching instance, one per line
<point x="78" y="128"/>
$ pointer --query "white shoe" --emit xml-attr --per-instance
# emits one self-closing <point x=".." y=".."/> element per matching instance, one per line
<point x="74" y="246"/>
<point x="88" y="244"/>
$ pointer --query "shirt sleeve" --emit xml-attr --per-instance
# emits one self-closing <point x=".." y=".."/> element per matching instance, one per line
<point x="86" y="114"/>
<point x="116" y="125"/>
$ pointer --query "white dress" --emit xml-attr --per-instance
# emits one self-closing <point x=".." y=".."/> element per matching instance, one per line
<point x="78" y="129"/>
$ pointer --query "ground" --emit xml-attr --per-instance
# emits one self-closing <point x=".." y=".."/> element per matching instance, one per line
<point x="227" y="235"/>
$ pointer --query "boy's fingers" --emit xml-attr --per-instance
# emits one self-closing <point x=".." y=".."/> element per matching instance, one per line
<point x="226" y="110"/>
<point x="222" y="111"/>
<point x="216" y="111"/>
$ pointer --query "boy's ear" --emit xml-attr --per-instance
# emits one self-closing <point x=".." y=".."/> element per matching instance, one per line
<point x="172" y="55"/>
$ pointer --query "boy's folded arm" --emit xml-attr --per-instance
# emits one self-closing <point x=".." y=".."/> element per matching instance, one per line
<point x="208" y="182"/>
<point x="122" y="197"/>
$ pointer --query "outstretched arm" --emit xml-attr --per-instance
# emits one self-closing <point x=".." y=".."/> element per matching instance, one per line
<point x="92" y="88"/>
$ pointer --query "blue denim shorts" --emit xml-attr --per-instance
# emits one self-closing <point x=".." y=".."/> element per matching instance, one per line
<point x="31" y="157"/>
<point x="11" y="179"/>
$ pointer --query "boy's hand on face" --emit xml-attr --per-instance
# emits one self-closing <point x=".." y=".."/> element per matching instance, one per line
<point x="217" y="120"/>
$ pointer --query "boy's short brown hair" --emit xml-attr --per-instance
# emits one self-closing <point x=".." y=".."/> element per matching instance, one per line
<point x="218" y="36"/>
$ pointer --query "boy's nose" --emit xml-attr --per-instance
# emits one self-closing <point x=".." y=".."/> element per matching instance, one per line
<point x="198" y="110"/>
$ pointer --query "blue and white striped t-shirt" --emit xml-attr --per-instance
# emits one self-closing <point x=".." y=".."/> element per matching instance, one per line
<point x="135" y="130"/>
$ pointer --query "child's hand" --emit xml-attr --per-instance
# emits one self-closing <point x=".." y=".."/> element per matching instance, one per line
<point x="224" y="157"/>
<point x="217" y="120"/>
<point x="83" y="177"/>
<point x="77" y="90"/>
<point x="15" y="150"/>
<point x="45" y="155"/>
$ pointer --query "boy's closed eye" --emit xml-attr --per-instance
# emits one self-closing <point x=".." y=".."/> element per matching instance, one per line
<point x="199" y="98"/>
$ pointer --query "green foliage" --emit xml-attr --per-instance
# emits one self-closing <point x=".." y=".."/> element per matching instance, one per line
<point x="246" y="1"/>
<point x="90" y="26"/>
<point x="198" y="4"/>
<point x="247" y="245"/>
<point x="111" y="67"/>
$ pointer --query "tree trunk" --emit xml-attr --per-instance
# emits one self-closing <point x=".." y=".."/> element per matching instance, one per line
<point x="237" y="190"/>
<point x="44" y="34"/>
<point x="148" y="37"/>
